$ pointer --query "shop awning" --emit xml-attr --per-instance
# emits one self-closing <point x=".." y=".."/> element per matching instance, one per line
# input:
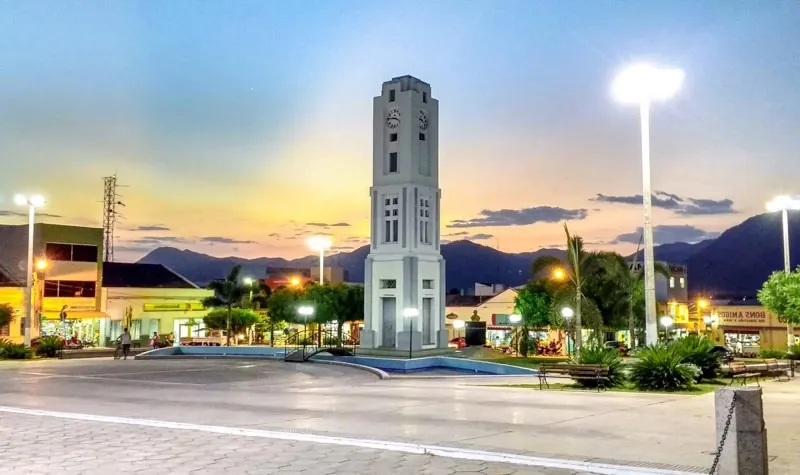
<point x="75" y="315"/>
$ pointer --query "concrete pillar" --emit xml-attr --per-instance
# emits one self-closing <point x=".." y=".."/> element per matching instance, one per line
<point x="744" y="451"/>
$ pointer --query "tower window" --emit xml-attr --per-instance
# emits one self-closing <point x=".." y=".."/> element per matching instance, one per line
<point x="422" y="137"/>
<point x="427" y="284"/>
<point x="393" y="162"/>
<point x="391" y="220"/>
<point x="391" y="95"/>
<point x="393" y="138"/>
<point x="424" y="222"/>
<point x="388" y="283"/>
<point x="424" y="97"/>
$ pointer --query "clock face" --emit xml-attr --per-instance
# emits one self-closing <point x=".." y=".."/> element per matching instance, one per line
<point x="393" y="119"/>
<point x="423" y="120"/>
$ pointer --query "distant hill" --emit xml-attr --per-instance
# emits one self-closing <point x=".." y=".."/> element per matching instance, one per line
<point x="734" y="264"/>
<point x="467" y="263"/>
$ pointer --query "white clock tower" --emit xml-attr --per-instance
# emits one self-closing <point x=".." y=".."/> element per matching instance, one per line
<point x="404" y="269"/>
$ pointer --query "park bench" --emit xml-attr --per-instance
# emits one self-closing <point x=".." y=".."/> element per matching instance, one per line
<point x="742" y="371"/>
<point x="774" y="369"/>
<point x="578" y="372"/>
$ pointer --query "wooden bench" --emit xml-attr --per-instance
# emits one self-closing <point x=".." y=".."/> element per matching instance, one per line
<point x="774" y="369"/>
<point x="742" y="371"/>
<point x="578" y="372"/>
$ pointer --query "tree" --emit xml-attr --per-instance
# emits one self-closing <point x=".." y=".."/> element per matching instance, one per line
<point x="6" y="314"/>
<point x="228" y="294"/>
<point x="282" y="306"/>
<point x="780" y="294"/>
<point x="340" y="302"/>
<point x="574" y="270"/>
<point x="260" y="293"/>
<point x="234" y="320"/>
<point x="533" y="305"/>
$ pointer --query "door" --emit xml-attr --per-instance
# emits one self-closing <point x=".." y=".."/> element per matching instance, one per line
<point x="427" y="320"/>
<point x="389" y="316"/>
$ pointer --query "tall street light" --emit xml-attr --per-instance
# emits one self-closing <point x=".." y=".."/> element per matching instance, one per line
<point x="784" y="204"/>
<point x="410" y="313"/>
<point x="305" y="311"/>
<point x="642" y="85"/>
<point x="32" y="202"/>
<point x="667" y="322"/>
<point x="567" y="313"/>
<point x="320" y="244"/>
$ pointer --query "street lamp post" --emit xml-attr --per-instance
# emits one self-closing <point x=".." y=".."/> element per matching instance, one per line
<point x="320" y="244"/>
<point x="410" y="313"/>
<point x="567" y="313"/>
<point x="784" y="204"/>
<point x="458" y="325"/>
<point x="642" y="85"/>
<point x="667" y="322"/>
<point x="305" y="311"/>
<point x="32" y="202"/>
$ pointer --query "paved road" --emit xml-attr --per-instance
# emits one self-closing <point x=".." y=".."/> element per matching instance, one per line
<point x="627" y="429"/>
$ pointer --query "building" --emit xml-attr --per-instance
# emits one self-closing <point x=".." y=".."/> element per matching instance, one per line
<point x="674" y="288"/>
<point x="748" y="324"/>
<point x="67" y="278"/>
<point x="149" y="298"/>
<point x="405" y="268"/>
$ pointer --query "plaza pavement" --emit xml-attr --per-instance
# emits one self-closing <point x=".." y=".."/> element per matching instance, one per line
<point x="95" y="409"/>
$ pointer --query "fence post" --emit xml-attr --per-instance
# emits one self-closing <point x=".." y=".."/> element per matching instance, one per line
<point x="741" y="433"/>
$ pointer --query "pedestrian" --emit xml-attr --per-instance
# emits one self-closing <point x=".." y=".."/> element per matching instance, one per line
<point x="126" y="343"/>
<point x="154" y="341"/>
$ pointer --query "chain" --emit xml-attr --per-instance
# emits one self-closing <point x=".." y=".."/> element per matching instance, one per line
<point x="724" y="436"/>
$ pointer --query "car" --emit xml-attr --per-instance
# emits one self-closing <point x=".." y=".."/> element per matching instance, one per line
<point x="620" y="346"/>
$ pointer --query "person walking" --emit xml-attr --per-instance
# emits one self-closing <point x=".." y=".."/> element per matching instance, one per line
<point x="154" y="341"/>
<point x="126" y="343"/>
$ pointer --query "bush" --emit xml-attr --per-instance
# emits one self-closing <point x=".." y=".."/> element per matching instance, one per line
<point x="777" y="353"/>
<point x="331" y="341"/>
<point x="699" y="351"/>
<point x="594" y="354"/>
<point x="662" y="368"/>
<point x="16" y="351"/>
<point x="49" y="346"/>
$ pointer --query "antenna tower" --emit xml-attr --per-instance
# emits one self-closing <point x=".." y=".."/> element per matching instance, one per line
<point x="110" y="215"/>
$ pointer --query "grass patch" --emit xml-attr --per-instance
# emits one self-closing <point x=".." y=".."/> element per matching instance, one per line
<point x="701" y="388"/>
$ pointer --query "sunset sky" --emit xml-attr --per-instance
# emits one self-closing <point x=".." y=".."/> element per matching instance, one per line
<point x="240" y="127"/>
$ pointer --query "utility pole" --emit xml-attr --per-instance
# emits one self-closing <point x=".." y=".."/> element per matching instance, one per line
<point x="110" y="215"/>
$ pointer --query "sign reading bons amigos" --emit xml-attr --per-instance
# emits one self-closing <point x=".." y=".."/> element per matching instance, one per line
<point x="756" y="318"/>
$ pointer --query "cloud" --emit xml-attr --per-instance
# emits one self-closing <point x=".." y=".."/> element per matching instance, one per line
<point x="328" y="225"/>
<point x="460" y="233"/>
<point x="156" y="227"/>
<point x="684" y="206"/>
<point x="224" y="240"/>
<point x="274" y="235"/>
<point x="480" y="237"/>
<point x="667" y="234"/>
<point x="520" y="217"/>
<point x="25" y="215"/>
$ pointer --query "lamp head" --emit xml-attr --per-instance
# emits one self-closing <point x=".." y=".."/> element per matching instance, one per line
<point x="567" y="312"/>
<point x="410" y="312"/>
<point x="783" y="202"/>
<point x="305" y="310"/>
<point x="319" y="243"/>
<point x="515" y="318"/>
<point x="458" y="324"/>
<point x="667" y="321"/>
<point x="643" y="83"/>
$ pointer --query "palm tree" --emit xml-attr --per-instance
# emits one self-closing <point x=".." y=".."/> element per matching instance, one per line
<point x="228" y="294"/>
<point x="577" y="260"/>
<point x="259" y="299"/>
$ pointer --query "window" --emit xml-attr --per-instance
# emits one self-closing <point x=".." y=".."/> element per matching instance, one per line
<point x="392" y="137"/>
<point x="424" y="221"/>
<point x="391" y="95"/>
<point x="4" y="330"/>
<point x="393" y="162"/>
<point x="427" y="284"/>
<point x="388" y="284"/>
<point x="391" y="216"/>
<point x="672" y="282"/>
<point x="683" y="283"/>
<point x="424" y="97"/>
<point x="70" y="252"/>
<point x="69" y="288"/>
<point x="422" y="136"/>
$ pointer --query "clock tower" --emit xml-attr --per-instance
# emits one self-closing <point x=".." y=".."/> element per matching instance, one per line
<point x="405" y="269"/>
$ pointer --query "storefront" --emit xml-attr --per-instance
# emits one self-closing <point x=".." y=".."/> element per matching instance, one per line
<point x="750" y="328"/>
<point x="74" y="318"/>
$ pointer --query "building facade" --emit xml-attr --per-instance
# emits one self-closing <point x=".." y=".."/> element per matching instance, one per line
<point x="404" y="268"/>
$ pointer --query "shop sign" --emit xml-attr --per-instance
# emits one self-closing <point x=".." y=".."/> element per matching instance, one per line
<point x="757" y="318"/>
<point x="172" y="307"/>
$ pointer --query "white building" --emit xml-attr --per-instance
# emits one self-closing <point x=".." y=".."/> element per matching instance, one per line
<point x="405" y="268"/>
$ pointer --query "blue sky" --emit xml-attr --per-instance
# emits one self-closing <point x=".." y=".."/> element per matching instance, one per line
<point x="235" y="124"/>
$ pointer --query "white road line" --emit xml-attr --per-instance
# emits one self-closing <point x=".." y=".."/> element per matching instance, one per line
<point x="103" y="378"/>
<point x="419" y="449"/>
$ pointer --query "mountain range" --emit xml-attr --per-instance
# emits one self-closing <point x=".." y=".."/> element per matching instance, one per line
<point x="734" y="264"/>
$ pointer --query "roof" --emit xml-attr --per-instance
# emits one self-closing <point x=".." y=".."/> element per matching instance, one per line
<point x="145" y="276"/>
<point x="456" y="300"/>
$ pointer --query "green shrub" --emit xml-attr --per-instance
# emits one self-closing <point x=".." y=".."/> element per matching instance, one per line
<point x="598" y="355"/>
<point x="49" y="346"/>
<point x="777" y="353"/>
<point x="662" y="368"/>
<point x="17" y="351"/>
<point x="699" y="351"/>
<point x="794" y="352"/>
<point x="330" y="341"/>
